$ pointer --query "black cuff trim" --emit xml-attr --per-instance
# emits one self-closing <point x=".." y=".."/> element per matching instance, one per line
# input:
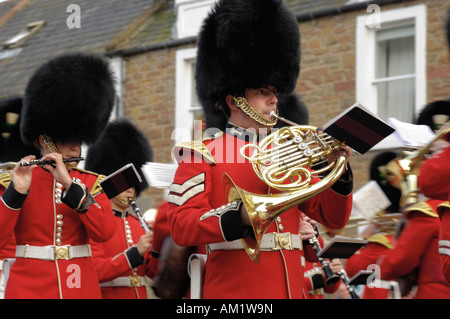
<point x="76" y="197"/>
<point x="231" y="223"/>
<point x="12" y="198"/>
<point x="344" y="185"/>
<point x="134" y="258"/>
<point x="317" y="281"/>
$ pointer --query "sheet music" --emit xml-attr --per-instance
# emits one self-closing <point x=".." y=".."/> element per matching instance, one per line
<point x="159" y="175"/>
<point x="370" y="200"/>
<point x="411" y="135"/>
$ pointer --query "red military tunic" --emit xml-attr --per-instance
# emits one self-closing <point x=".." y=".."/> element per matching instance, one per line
<point x="434" y="175"/>
<point x="198" y="190"/>
<point x="434" y="182"/>
<point x="417" y="247"/>
<point x="377" y="246"/>
<point x="36" y="219"/>
<point x="118" y="258"/>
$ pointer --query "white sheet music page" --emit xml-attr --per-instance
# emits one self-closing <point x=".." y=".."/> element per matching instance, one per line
<point x="159" y="175"/>
<point x="411" y="135"/>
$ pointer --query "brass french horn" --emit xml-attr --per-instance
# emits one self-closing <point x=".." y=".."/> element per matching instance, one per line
<point x="285" y="161"/>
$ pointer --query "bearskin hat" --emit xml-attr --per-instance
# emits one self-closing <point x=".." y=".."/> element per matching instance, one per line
<point x="11" y="145"/>
<point x="246" y="44"/>
<point x="441" y="107"/>
<point x="291" y="107"/>
<point x="69" y="98"/>
<point x="121" y="144"/>
<point x="377" y="175"/>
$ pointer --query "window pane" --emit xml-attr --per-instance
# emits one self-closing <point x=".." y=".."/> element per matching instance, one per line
<point x="397" y="99"/>
<point x="395" y="56"/>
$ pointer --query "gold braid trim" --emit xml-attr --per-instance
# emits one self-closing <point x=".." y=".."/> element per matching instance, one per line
<point x="5" y="179"/>
<point x="243" y="105"/>
<point x="422" y="207"/>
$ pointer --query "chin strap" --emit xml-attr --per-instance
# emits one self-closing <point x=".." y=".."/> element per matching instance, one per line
<point x="243" y="105"/>
<point x="52" y="147"/>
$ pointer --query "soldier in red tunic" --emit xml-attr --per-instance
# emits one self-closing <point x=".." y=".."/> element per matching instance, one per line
<point x="248" y="51"/>
<point x="55" y="209"/>
<point x="122" y="262"/>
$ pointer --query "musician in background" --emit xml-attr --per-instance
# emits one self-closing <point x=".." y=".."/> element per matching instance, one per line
<point x="434" y="181"/>
<point x="122" y="262"/>
<point x="51" y="208"/>
<point x="380" y="239"/>
<point x="255" y="55"/>
<point x="422" y="256"/>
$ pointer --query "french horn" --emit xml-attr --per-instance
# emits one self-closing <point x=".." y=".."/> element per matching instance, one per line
<point x="285" y="160"/>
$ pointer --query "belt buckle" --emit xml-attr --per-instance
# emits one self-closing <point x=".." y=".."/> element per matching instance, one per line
<point x="135" y="281"/>
<point x="283" y="241"/>
<point x="62" y="252"/>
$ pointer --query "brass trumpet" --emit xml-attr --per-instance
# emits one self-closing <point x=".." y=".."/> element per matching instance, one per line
<point x="406" y="168"/>
<point x="284" y="160"/>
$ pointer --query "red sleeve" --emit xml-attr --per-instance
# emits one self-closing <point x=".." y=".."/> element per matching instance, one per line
<point x="329" y="208"/>
<point x="444" y="244"/>
<point x="189" y="199"/>
<point x="410" y="247"/>
<point x="98" y="220"/>
<point x="366" y="256"/>
<point x="435" y="174"/>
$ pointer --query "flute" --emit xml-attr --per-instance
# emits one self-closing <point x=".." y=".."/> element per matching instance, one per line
<point x="44" y="162"/>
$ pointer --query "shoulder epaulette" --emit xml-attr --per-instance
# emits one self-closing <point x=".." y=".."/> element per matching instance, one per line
<point x="422" y="207"/>
<point x="197" y="147"/>
<point x="381" y="239"/>
<point x="96" y="188"/>
<point x="5" y="179"/>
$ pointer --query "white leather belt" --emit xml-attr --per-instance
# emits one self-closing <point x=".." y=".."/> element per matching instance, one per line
<point x="269" y="242"/>
<point x="52" y="252"/>
<point x="130" y="281"/>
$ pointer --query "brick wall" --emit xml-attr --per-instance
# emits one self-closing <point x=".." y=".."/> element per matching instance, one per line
<point x="326" y="83"/>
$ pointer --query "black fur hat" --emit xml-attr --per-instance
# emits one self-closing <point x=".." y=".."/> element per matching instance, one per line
<point x="11" y="145"/>
<point x="121" y="144"/>
<point x="392" y="193"/>
<point x="291" y="107"/>
<point x="69" y="98"/>
<point x="441" y="107"/>
<point x="246" y="44"/>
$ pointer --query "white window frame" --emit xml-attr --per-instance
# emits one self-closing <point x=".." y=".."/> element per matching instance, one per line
<point x="184" y="120"/>
<point x="366" y="91"/>
<point x="190" y="15"/>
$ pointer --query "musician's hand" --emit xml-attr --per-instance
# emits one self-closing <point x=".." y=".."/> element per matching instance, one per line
<point x="144" y="243"/>
<point x="335" y="265"/>
<point x="306" y="230"/>
<point x="21" y="175"/>
<point x="58" y="169"/>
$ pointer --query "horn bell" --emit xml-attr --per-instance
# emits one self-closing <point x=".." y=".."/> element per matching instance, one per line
<point x="263" y="209"/>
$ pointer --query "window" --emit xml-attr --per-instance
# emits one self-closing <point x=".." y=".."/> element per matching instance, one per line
<point x="190" y="15"/>
<point x="188" y="111"/>
<point x="20" y="38"/>
<point x="390" y="64"/>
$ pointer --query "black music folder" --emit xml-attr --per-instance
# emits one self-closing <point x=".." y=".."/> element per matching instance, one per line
<point x="360" y="278"/>
<point x="358" y="128"/>
<point x="341" y="247"/>
<point x="119" y="181"/>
